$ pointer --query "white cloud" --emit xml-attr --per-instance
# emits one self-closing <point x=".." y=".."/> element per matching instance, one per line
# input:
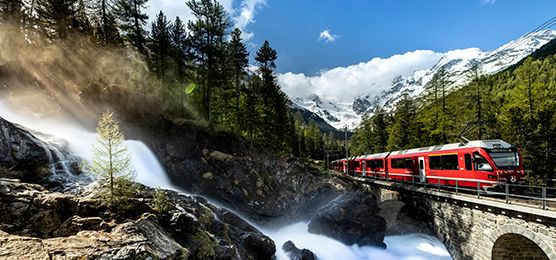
<point x="246" y="16"/>
<point x="327" y="36"/>
<point x="346" y="83"/>
<point x="486" y="2"/>
<point x="242" y="12"/>
<point x="171" y="9"/>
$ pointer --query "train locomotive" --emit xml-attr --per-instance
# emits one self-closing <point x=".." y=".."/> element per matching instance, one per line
<point x="487" y="163"/>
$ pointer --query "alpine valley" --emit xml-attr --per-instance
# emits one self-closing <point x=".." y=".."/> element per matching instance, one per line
<point x="340" y="113"/>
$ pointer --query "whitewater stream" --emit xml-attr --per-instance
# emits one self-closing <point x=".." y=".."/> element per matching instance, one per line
<point x="150" y="172"/>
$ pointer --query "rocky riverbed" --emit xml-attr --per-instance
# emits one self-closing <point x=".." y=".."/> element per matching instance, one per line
<point x="266" y="188"/>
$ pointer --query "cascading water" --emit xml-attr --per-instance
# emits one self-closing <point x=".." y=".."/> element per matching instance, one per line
<point x="414" y="246"/>
<point x="78" y="143"/>
<point x="149" y="172"/>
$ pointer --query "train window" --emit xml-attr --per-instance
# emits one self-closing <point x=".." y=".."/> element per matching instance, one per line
<point x="481" y="163"/>
<point x="404" y="163"/>
<point x="379" y="164"/>
<point x="468" y="165"/>
<point x="421" y="164"/>
<point x="443" y="162"/>
<point x="450" y="162"/>
<point x="435" y="163"/>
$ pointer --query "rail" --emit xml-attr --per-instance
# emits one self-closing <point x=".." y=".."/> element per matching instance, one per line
<point x="524" y="195"/>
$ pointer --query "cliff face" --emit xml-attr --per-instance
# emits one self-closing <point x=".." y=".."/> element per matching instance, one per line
<point x="248" y="178"/>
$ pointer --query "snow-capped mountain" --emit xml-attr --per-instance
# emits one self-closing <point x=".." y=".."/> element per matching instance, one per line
<point x="348" y="113"/>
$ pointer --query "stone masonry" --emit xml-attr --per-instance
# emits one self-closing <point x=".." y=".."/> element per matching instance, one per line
<point x="473" y="228"/>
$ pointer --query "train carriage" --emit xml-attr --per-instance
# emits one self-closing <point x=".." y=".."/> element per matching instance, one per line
<point x="375" y="165"/>
<point x="483" y="162"/>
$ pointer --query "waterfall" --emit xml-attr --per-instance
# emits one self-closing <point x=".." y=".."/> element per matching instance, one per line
<point x="410" y="247"/>
<point x="79" y="143"/>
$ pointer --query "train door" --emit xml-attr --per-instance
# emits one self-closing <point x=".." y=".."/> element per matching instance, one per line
<point x="422" y="172"/>
<point x="364" y="168"/>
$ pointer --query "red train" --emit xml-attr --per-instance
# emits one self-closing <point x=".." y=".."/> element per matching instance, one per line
<point x="487" y="162"/>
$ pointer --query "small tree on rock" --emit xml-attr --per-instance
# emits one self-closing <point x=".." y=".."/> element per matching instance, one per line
<point x="112" y="163"/>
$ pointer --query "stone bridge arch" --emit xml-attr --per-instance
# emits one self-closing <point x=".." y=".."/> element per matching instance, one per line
<point x="518" y="242"/>
<point x="386" y="195"/>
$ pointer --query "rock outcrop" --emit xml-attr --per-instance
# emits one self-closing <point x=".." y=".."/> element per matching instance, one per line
<point x="352" y="218"/>
<point x="251" y="180"/>
<point x="38" y="224"/>
<point x="22" y="152"/>
<point x="295" y="253"/>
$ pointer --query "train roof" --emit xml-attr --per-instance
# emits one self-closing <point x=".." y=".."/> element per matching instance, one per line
<point x="489" y="144"/>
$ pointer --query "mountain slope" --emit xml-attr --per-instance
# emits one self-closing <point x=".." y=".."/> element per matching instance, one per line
<point x="340" y="113"/>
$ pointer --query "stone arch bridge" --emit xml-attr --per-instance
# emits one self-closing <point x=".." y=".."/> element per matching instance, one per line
<point x="474" y="228"/>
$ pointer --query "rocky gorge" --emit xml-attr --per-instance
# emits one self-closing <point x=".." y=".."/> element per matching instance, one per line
<point x="41" y="223"/>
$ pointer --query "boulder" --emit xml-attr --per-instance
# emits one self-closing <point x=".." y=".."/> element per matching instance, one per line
<point x="22" y="152"/>
<point x="75" y="224"/>
<point x="295" y="253"/>
<point x="352" y="218"/>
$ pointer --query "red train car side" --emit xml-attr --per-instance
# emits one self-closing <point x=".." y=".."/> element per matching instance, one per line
<point x="487" y="162"/>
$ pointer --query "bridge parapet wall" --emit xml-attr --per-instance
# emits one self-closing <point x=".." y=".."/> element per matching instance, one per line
<point x="472" y="230"/>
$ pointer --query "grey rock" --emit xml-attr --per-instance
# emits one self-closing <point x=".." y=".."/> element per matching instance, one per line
<point x="352" y="218"/>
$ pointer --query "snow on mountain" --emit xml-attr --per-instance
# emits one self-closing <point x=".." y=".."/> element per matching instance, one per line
<point x="341" y="112"/>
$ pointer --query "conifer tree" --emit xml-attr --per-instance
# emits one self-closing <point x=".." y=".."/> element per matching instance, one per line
<point x="207" y="35"/>
<point x="57" y="17"/>
<point x="133" y="20"/>
<point x="160" y="45"/>
<point x="11" y="11"/>
<point x="180" y="47"/>
<point x="435" y="92"/>
<point x="404" y="130"/>
<point x="240" y="59"/>
<point x="112" y="163"/>
<point x="274" y="107"/>
<point x="477" y="84"/>
<point x="106" y="27"/>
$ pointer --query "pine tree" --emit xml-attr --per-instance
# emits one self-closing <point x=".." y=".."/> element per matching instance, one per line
<point x="180" y="47"/>
<point x="133" y="20"/>
<point x="106" y="27"/>
<point x="112" y="163"/>
<point x="379" y="126"/>
<point x="274" y="107"/>
<point x="477" y="83"/>
<point x="240" y="59"/>
<point x="57" y="17"/>
<point x="160" y="45"/>
<point x="207" y="34"/>
<point x="405" y="129"/>
<point x="12" y="11"/>
<point x="435" y="93"/>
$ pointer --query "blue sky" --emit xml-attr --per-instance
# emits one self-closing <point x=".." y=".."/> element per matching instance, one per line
<point x="366" y="29"/>
<point x="328" y="46"/>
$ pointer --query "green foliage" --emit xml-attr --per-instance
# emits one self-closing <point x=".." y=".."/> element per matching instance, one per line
<point x="160" y="45"/>
<point x="404" y="131"/>
<point x="59" y="18"/>
<point x="207" y="35"/>
<point x="161" y="203"/>
<point x="132" y="21"/>
<point x="106" y="27"/>
<point x="112" y="164"/>
<point x="518" y="106"/>
<point x="173" y="74"/>
<point x="372" y="135"/>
